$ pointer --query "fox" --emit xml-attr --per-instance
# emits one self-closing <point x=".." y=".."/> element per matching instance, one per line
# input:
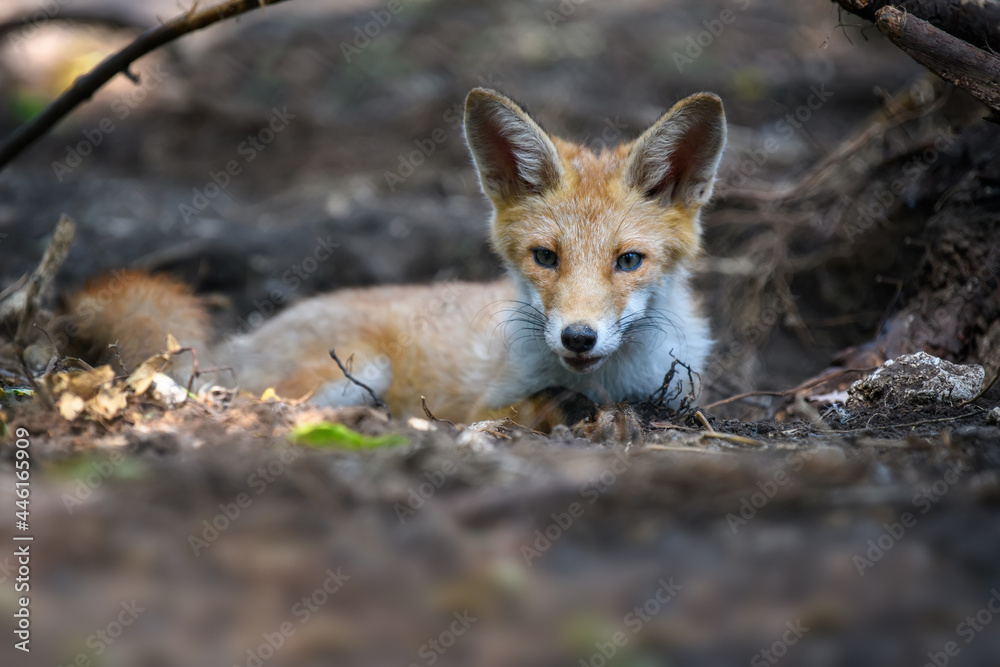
<point x="596" y="245"/>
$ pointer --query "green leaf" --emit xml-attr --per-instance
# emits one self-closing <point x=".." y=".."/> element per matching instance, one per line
<point x="327" y="435"/>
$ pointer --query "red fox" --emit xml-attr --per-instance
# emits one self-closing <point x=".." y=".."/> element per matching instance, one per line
<point x="596" y="301"/>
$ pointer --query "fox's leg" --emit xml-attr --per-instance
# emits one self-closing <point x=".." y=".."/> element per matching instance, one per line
<point x="375" y="372"/>
<point x="331" y="388"/>
<point x="551" y="407"/>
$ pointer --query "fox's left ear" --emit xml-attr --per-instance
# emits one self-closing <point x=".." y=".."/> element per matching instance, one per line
<point x="675" y="160"/>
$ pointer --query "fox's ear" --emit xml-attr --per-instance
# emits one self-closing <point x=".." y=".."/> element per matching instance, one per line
<point x="675" y="160"/>
<point x="515" y="156"/>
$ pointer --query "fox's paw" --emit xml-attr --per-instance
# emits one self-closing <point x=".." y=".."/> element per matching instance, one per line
<point x="617" y="423"/>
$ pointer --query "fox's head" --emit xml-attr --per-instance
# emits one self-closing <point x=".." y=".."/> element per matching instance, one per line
<point x="592" y="236"/>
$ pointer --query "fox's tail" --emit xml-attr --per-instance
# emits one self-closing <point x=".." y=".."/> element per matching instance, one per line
<point x="137" y="311"/>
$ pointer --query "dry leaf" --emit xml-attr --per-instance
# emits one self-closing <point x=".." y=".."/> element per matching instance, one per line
<point x="270" y="394"/>
<point x="142" y="377"/>
<point x="82" y="383"/>
<point x="108" y="402"/>
<point x="173" y="347"/>
<point x="70" y="406"/>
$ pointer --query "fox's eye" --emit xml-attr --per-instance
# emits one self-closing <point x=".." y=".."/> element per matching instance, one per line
<point x="546" y="257"/>
<point x="629" y="261"/>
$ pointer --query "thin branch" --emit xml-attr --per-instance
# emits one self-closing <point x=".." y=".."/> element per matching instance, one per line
<point x="916" y="423"/>
<point x="23" y="302"/>
<point x="808" y="384"/>
<point x="729" y="437"/>
<point x="977" y="23"/>
<point x="379" y="403"/>
<point x="983" y="392"/>
<point x="951" y="58"/>
<point x="430" y="415"/>
<point x="88" y="84"/>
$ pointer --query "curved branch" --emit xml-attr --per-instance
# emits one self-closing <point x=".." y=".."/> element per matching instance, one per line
<point x="88" y="84"/>
<point x="951" y="58"/>
<point x="977" y="23"/>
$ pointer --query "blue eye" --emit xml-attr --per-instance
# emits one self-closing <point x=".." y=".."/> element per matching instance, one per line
<point x="629" y="261"/>
<point x="546" y="257"/>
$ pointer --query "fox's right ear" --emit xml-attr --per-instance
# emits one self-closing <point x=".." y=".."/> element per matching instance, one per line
<point x="515" y="156"/>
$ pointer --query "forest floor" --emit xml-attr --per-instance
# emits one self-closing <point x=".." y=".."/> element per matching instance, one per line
<point x="820" y="535"/>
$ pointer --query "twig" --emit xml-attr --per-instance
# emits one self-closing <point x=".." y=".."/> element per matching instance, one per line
<point x="118" y="355"/>
<point x="918" y="423"/>
<point x="39" y="391"/>
<point x="430" y="416"/>
<point x="22" y="303"/>
<point x="951" y="58"/>
<point x="379" y="403"/>
<point x="47" y="335"/>
<point x="834" y="162"/>
<point x="88" y="84"/>
<point x="808" y="384"/>
<point x="983" y="392"/>
<point x="687" y="450"/>
<point x="731" y="437"/>
<point x="978" y="23"/>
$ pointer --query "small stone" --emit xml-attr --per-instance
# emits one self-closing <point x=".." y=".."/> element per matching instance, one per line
<point x="993" y="417"/>
<point x="917" y="379"/>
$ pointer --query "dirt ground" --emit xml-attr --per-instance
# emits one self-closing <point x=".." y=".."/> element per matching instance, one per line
<point x="203" y="535"/>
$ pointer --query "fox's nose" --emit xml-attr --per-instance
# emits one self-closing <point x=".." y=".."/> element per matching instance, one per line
<point x="579" y="338"/>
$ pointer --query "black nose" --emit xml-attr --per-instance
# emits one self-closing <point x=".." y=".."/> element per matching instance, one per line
<point x="579" y="338"/>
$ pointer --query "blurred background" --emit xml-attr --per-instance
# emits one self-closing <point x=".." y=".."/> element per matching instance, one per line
<point x="314" y="124"/>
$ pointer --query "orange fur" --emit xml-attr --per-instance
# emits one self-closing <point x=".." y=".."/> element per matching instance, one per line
<point x="137" y="311"/>
<point x="477" y="351"/>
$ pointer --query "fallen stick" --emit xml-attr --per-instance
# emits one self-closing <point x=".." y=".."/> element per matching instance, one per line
<point x="118" y="63"/>
<point x="952" y="59"/>
<point x="977" y="23"/>
<point x="22" y="303"/>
